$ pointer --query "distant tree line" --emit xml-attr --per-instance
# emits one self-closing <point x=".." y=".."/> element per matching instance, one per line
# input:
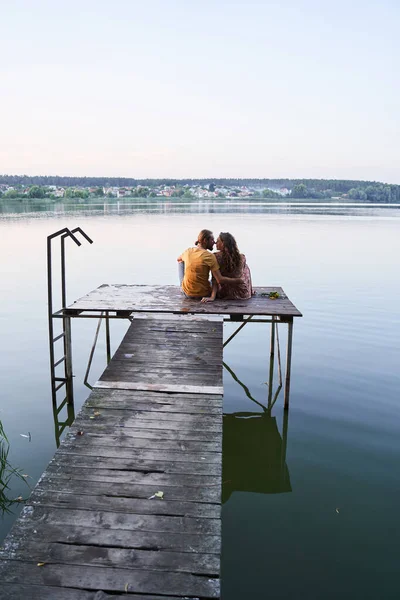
<point x="298" y="188"/>
<point x="372" y="192"/>
<point x="318" y="185"/>
<point x="376" y="193"/>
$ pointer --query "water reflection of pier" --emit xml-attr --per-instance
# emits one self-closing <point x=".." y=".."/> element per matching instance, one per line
<point x="254" y="454"/>
<point x="253" y="450"/>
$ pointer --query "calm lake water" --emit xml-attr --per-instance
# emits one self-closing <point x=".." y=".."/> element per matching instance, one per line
<point x="325" y="525"/>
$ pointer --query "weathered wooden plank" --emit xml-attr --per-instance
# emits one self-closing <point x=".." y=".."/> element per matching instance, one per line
<point x="130" y="416"/>
<point x="198" y="345"/>
<point x="209" y="332"/>
<point x="156" y="397"/>
<point x="168" y="364"/>
<point x="194" y="445"/>
<point x="186" y="425"/>
<point x="125" y="505"/>
<point x="185" y="562"/>
<point x="149" y="443"/>
<point x="110" y="579"/>
<point x="177" y="318"/>
<point x="182" y="327"/>
<point x="181" y="389"/>
<point x="161" y="326"/>
<point x="164" y="376"/>
<point x="207" y="352"/>
<point x="177" y="359"/>
<point x="111" y="476"/>
<point x="115" y="538"/>
<point x="115" y="521"/>
<point x="149" y="420"/>
<point x="19" y="591"/>
<point x="211" y="494"/>
<point x="197" y="374"/>
<point x="180" y="353"/>
<point x="96" y="460"/>
<point x="159" y="407"/>
<point x="209" y="348"/>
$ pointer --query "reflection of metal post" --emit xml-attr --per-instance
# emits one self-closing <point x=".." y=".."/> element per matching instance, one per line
<point x="68" y="361"/>
<point x="108" y="344"/>
<point x="246" y="389"/>
<point x="271" y="362"/>
<point x="285" y="425"/>
<point x="288" y="362"/>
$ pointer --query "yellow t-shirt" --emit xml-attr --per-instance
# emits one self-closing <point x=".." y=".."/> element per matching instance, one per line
<point x="198" y="264"/>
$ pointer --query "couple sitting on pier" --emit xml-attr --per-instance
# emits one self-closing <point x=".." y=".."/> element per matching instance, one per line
<point x="231" y="278"/>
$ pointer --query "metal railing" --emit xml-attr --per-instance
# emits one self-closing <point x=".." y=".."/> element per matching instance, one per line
<point x="65" y="380"/>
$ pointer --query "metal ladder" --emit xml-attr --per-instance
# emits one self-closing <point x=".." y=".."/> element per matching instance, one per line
<point x="63" y="382"/>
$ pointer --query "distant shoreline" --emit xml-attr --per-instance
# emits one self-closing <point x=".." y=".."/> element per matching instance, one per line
<point x="181" y="201"/>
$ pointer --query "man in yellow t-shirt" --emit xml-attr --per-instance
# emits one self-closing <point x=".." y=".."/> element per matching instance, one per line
<point x="198" y="262"/>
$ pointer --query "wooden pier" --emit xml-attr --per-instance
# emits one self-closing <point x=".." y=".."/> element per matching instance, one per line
<point x="130" y="503"/>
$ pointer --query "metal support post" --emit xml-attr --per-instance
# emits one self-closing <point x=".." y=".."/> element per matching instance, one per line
<point x="96" y="335"/>
<point x="108" y="343"/>
<point x="68" y="361"/>
<point x="271" y="362"/>
<point x="288" y="363"/>
<point x="237" y="331"/>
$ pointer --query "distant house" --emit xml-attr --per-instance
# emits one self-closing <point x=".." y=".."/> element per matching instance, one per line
<point x="111" y="191"/>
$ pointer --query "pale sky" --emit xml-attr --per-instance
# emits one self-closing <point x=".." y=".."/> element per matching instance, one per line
<point x="201" y="88"/>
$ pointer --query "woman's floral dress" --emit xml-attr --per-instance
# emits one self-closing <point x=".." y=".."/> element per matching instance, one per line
<point x="235" y="291"/>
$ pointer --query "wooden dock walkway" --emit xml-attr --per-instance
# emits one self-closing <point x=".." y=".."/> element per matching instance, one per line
<point x="130" y="504"/>
<point x="95" y="527"/>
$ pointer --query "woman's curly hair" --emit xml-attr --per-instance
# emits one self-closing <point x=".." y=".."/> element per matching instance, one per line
<point x="231" y="259"/>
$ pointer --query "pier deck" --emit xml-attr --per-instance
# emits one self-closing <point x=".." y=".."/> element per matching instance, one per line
<point x="93" y="527"/>
<point x="169" y="299"/>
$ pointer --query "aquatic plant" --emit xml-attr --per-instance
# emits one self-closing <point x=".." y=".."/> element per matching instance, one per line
<point x="7" y="472"/>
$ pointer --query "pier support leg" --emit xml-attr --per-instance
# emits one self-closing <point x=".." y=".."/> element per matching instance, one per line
<point x="271" y="363"/>
<point x="68" y="361"/>
<point x="108" y="343"/>
<point x="288" y="363"/>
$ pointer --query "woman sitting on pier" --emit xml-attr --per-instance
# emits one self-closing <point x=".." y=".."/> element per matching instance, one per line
<point x="195" y="265"/>
<point x="233" y="266"/>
